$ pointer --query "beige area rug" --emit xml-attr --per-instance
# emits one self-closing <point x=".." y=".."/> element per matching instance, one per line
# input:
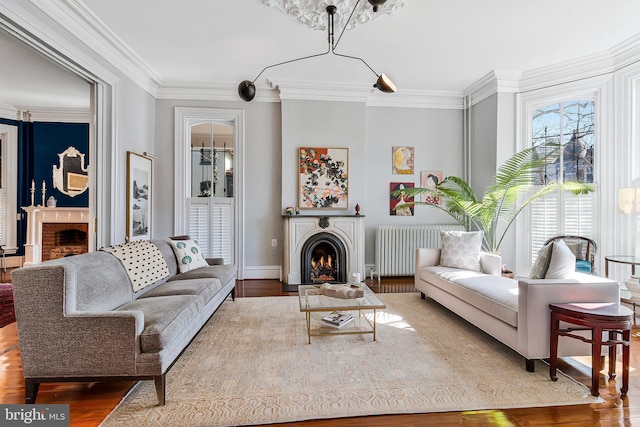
<point x="252" y="364"/>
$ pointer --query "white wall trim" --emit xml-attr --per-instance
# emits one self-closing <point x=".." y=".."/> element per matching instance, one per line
<point x="277" y="90"/>
<point x="90" y="30"/>
<point x="185" y="117"/>
<point x="66" y="115"/>
<point x="8" y="112"/>
<point x="493" y="82"/>
<point x="262" y="272"/>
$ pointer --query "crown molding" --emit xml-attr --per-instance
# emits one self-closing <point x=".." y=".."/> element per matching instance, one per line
<point x="8" y="112"/>
<point x="505" y="81"/>
<point x="62" y="115"/>
<point x="75" y="17"/>
<point x="277" y="90"/>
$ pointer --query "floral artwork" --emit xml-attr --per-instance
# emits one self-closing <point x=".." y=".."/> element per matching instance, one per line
<point x="402" y="160"/>
<point x="400" y="205"/>
<point x="323" y="178"/>
<point x="429" y="179"/>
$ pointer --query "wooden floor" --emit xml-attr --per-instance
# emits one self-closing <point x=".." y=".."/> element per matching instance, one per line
<point x="90" y="403"/>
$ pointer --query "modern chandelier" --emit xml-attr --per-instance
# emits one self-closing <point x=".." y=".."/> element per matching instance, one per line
<point x="247" y="88"/>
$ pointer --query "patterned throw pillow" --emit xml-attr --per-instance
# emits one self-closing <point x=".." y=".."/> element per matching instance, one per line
<point x="461" y="249"/>
<point x="143" y="261"/>
<point x="541" y="265"/>
<point x="188" y="255"/>
<point x="563" y="262"/>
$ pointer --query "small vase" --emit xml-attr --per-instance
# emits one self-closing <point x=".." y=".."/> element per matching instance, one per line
<point x="51" y="202"/>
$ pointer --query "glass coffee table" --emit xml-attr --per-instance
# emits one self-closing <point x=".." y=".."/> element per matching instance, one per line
<point x="317" y="306"/>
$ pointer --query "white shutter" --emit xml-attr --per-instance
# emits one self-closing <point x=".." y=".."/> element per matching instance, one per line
<point x="544" y="222"/>
<point x="3" y="216"/>
<point x="198" y="226"/>
<point x="579" y="214"/>
<point x="222" y="243"/>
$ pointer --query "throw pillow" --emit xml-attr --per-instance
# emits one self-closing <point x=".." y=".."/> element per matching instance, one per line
<point x="540" y="267"/>
<point x="563" y="262"/>
<point x="461" y="249"/>
<point x="188" y="255"/>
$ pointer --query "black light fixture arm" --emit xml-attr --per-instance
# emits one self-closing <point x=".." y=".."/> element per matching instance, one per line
<point x="247" y="88"/>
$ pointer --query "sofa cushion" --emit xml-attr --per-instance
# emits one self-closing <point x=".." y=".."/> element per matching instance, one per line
<point x="205" y="288"/>
<point x="223" y="272"/>
<point x="166" y="318"/>
<point x="188" y="254"/>
<point x="562" y="263"/>
<point x="461" y="249"/>
<point x="541" y="265"/>
<point x="495" y="295"/>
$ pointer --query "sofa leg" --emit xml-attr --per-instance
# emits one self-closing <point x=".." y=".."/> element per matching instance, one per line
<point x="160" y="388"/>
<point x="422" y="295"/>
<point x="30" y="391"/>
<point x="530" y="365"/>
<point x="233" y="294"/>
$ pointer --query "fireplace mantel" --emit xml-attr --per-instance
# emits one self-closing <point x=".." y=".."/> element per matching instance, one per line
<point x="298" y="228"/>
<point x="37" y="215"/>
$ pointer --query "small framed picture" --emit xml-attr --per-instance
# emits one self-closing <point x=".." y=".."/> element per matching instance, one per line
<point x="429" y="179"/>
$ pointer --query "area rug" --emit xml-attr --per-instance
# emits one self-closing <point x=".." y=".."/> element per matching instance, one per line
<point x="252" y="364"/>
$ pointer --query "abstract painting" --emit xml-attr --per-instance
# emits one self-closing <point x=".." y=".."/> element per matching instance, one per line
<point x="323" y="178"/>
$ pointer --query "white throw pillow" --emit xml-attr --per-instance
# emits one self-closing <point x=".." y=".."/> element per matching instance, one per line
<point x="540" y="267"/>
<point x="461" y="249"/>
<point x="563" y="262"/>
<point x="188" y="255"/>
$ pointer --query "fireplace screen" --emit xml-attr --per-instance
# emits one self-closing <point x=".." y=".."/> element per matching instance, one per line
<point x="323" y="259"/>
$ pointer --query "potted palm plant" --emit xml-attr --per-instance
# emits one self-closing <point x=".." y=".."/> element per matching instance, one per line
<point x="513" y="190"/>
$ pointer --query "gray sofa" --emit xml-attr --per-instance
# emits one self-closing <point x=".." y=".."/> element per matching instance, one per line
<point x="515" y="312"/>
<point x="79" y="319"/>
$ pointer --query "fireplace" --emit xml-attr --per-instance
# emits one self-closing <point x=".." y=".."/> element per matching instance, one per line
<point x="311" y="237"/>
<point x="323" y="259"/>
<point x="63" y="239"/>
<point x="56" y="232"/>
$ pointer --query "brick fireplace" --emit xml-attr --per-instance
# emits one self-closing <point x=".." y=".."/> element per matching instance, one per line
<point x="309" y="238"/>
<point x="56" y="232"/>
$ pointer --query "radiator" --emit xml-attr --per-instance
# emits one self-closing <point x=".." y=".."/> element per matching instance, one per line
<point x="396" y="246"/>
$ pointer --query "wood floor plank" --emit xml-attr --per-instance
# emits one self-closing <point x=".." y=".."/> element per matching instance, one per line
<point x="90" y="403"/>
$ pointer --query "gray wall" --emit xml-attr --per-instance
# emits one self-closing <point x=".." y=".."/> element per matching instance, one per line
<point x="275" y="131"/>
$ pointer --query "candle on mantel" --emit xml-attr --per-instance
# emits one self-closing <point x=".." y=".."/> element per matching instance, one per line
<point x="33" y="185"/>
<point x="44" y="186"/>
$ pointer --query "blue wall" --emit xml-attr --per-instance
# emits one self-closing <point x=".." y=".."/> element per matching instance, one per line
<point x="50" y="139"/>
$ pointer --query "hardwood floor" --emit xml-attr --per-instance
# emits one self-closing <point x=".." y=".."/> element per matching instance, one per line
<point x="90" y="403"/>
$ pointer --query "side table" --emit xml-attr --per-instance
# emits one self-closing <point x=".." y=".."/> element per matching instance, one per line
<point x="597" y="318"/>
<point x="627" y="295"/>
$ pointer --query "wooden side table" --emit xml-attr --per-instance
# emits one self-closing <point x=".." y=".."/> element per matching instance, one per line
<point x="597" y="318"/>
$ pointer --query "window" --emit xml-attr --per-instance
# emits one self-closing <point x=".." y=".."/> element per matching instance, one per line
<point x="565" y="131"/>
<point x="8" y="186"/>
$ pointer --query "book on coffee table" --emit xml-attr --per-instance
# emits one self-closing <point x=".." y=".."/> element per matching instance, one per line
<point x="337" y="319"/>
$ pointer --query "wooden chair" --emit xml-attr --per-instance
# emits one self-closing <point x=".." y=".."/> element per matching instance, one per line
<point x="584" y="249"/>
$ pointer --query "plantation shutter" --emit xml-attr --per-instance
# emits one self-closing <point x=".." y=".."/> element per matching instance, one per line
<point x="211" y="223"/>
<point x="3" y="194"/>
<point x="222" y="226"/>
<point x="199" y="223"/>
<point x="579" y="214"/>
<point x="544" y="222"/>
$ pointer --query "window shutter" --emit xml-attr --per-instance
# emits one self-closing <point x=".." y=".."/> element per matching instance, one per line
<point x="3" y="215"/>
<point x="199" y="223"/>
<point x="579" y="214"/>
<point x="544" y="222"/>
<point x="222" y="226"/>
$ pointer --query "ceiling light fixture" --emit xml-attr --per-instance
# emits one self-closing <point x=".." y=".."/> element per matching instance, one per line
<point x="247" y="88"/>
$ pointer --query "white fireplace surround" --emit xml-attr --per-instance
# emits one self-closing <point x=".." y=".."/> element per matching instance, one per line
<point x="297" y="229"/>
<point x="37" y="215"/>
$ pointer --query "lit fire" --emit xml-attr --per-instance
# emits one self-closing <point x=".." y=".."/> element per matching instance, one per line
<point x="322" y="263"/>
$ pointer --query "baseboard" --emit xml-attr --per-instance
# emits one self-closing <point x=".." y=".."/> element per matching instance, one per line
<point x="262" y="272"/>
<point x="13" y="261"/>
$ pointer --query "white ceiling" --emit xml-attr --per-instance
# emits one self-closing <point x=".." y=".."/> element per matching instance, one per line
<point x="433" y="45"/>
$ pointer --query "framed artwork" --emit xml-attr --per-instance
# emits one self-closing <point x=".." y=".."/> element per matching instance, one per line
<point x="402" y="160"/>
<point x="323" y="178"/>
<point x="429" y="179"/>
<point x="139" y="197"/>
<point x="398" y="205"/>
